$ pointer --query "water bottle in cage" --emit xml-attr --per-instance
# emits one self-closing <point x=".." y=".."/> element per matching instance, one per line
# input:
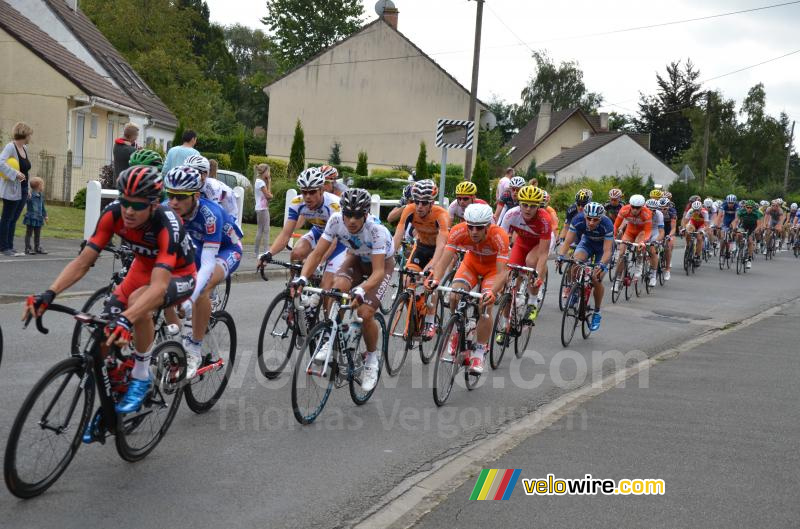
<point x="354" y="335"/>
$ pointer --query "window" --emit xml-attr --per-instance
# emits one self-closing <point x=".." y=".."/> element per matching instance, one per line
<point x="93" y="126"/>
<point x="77" y="152"/>
<point x="110" y="140"/>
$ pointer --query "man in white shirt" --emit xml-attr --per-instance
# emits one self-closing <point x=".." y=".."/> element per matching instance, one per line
<point x="502" y="184"/>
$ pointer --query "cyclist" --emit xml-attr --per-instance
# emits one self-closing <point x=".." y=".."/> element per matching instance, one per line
<point x="711" y="206"/>
<point x="508" y="199"/>
<point x="553" y="224"/>
<point x="484" y="264"/>
<point x="670" y="220"/>
<point x="692" y="200"/>
<point x="774" y="216"/>
<point x="213" y="189"/>
<point x="638" y="226"/>
<point x="332" y="183"/>
<point x="162" y="273"/>
<point x="727" y="213"/>
<point x="614" y="203"/>
<point x="146" y="157"/>
<point x="696" y="220"/>
<point x="365" y="271"/>
<point x="582" y="197"/>
<point x="431" y="225"/>
<point x="594" y="232"/>
<point x="657" y="234"/>
<point x="315" y="206"/>
<point x="532" y="225"/>
<point x="218" y="252"/>
<point x="465" y="195"/>
<point x="748" y="220"/>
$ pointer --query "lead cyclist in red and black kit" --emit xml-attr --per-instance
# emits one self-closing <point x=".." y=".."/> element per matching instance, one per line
<point x="162" y="273"/>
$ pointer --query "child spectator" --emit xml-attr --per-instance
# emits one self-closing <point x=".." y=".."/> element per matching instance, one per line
<point x="35" y="217"/>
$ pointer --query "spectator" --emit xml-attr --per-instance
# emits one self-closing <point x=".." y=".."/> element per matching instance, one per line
<point x="502" y="184"/>
<point x="263" y="195"/>
<point x="124" y="147"/>
<point x="14" y="168"/>
<point x="35" y="217"/>
<point x="178" y="154"/>
<point x="213" y="165"/>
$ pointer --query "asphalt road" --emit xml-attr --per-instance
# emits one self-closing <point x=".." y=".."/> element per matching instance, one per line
<point x="247" y="463"/>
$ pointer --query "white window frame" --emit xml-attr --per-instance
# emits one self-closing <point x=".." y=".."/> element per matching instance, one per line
<point x="93" y="125"/>
<point x="80" y="131"/>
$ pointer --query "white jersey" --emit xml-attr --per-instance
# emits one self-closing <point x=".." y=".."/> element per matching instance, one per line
<point x="372" y="239"/>
<point x="317" y="217"/>
<point x="220" y="193"/>
<point x="657" y="224"/>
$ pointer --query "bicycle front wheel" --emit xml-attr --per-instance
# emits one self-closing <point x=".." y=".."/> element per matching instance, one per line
<point x="219" y="354"/>
<point x="447" y="355"/>
<point x="139" y="433"/>
<point x="355" y="364"/>
<point x="47" y="430"/>
<point x="570" y="318"/>
<point x="310" y="390"/>
<point x="220" y="295"/>
<point x="501" y="331"/>
<point x="399" y="335"/>
<point x="277" y="337"/>
<point x="524" y="330"/>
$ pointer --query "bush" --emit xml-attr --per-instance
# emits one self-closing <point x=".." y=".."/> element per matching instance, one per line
<point x="335" y="157"/>
<point x="481" y="179"/>
<point x="422" y="165"/>
<point x="345" y="169"/>
<point x="297" y="157"/>
<point x="278" y="202"/>
<point x="252" y="145"/>
<point x="278" y="168"/>
<point x="389" y="173"/>
<point x="249" y="208"/>
<point x="79" y="201"/>
<point x="361" y="167"/>
<point x="239" y="158"/>
<point x="435" y="169"/>
<point x="224" y="160"/>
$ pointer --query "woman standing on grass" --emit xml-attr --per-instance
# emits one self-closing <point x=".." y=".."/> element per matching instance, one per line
<point x="263" y="194"/>
<point x="14" y="168"/>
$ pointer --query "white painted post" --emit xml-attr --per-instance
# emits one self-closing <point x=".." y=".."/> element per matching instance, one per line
<point x="92" y="212"/>
<point x="290" y="195"/>
<point x="375" y="206"/>
<point x="238" y="192"/>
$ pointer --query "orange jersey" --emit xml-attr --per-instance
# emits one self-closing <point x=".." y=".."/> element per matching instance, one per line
<point x="428" y="228"/>
<point x="495" y="247"/>
<point x="636" y="223"/>
<point x="554" y="216"/>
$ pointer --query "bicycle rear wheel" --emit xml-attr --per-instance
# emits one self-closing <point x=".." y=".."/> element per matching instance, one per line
<point x="355" y="364"/>
<point x="501" y="330"/>
<point x="219" y="354"/>
<point x="310" y="392"/>
<point x="277" y="337"/>
<point x="618" y="283"/>
<point x="139" y="433"/>
<point x="428" y="348"/>
<point x="564" y="285"/>
<point x="447" y="355"/>
<point x="220" y="295"/>
<point x="570" y="318"/>
<point x="47" y="430"/>
<point x="524" y="330"/>
<point x="399" y="336"/>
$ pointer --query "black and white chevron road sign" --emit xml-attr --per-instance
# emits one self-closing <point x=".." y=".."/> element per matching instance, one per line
<point x="455" y="133"/>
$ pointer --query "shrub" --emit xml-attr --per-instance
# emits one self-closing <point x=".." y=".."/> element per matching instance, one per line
<point x="389" y="173"/>
<point x="278" y="168"/>
<point x="249" y="208"/>
<point x="238" y="158"/>
<point x="278" y="202"/>
<point x="335" y="157"/>
<point x="224" y="160"/>
<point x="481" y="179"/>
<point x="361" y="167"/>
<point x="345" y="169"/>
<point x="79" y="200"/>
<point x="297" y="157"/>
<point x="422" y="165"/>
<point x="451" y="169"/>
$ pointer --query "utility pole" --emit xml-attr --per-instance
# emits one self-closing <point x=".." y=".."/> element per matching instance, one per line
<point x="473" y="94"/>
<point x="704" y="168"/>
<point x="788" y="157"/>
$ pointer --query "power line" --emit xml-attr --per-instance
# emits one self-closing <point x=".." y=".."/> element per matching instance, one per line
<point x="509" y="29"/>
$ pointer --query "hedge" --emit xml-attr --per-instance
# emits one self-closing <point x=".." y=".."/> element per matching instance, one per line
<point x="278" y="168"/>
<point x="389" y="173"/>
<point x="252" y="145"/>
<point x="224" y="160"/>
<point x="435" y="169"/>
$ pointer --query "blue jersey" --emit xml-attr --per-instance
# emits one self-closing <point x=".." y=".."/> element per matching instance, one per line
<point x="604" y="231"/>
<point x="213" y="227"/>
<point x="729" y="212"/>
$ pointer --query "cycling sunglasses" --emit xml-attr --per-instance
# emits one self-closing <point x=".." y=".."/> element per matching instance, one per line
<point x="470" y="227"/>
<point x="353" y="214"/>
<point x="464" y="198"/>
<point x="528" y="205"/>
<point x="135" y="206"/>
<point x="178" y="195"/>
<point x="423" y="202"/>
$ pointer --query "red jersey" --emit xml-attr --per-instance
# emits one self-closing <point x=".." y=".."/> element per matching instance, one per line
<point x="495" y="247"/>
<point x="160" y="242"/>
<point x="531" y="231"/>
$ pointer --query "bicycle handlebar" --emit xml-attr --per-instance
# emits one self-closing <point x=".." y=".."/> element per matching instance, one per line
<point x="83" y="317"/>
<point x="460" y="291"/>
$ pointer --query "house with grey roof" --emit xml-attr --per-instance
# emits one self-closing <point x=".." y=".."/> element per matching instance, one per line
<point x="571" y="144"/>
<point x="67" y="81"/>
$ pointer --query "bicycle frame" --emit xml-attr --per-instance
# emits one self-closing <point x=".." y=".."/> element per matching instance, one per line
<point x="339" y="307"/>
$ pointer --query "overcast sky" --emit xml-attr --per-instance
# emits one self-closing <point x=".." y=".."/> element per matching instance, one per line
<point x="619" y="66"/>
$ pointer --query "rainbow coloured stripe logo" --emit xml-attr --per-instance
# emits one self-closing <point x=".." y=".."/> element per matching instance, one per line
<point x="495" y="484"/>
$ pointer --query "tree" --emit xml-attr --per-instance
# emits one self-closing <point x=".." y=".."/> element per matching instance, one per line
<point x="422" y="162"/>
<point x="532" y="172"/>
<point x="178" y="139"/>
<point x="621" y="122"/>
<point x="302" y="28"/>
<point x="361" y="166"/>
<point x="723" y="131"/>
<point x="493" y="149"/>
<point x="297" y="156"/>
<point x="480" y="176"/>
<point x="562" y="85"/>
<point x="664" y="115"/>
<point x="503" y="112"/>
<point x="335" y="157"/>
<point x="238" y="159"/>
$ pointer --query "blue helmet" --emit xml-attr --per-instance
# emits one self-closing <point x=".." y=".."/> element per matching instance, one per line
<point x="731" y="199"/>
<point x="183" y="178"/>
<point x="594" y="210"/>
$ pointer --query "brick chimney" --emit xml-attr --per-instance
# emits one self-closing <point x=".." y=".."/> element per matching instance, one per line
<point x="543" y="123"/>
<point x="604" y="121"/>
<point x="390" y="15"/>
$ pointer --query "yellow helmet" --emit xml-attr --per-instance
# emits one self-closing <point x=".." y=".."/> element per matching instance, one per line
<point x="656" y="193"/>
<point x="466" y="188"/>
<point x="531" y="195"/>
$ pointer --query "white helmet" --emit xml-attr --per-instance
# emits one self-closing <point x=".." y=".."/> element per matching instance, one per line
<point x="478" y="214"/>
<point x="764" y="203"/>
<point x="637" y="201"/>
<point x="708" y="202"/>
<point x="652" y="203"/>
<point x="793" y="206"/>
<point x="310" y="178"/>
<point x="697" y="205"/>
<point x="198" y="162"/>
<point x="516" y="182"/>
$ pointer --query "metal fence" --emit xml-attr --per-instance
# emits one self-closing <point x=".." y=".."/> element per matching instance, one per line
<point x="62" y="179"/>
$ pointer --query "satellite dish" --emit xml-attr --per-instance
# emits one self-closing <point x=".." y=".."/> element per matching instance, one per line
<point x="381" y="5"/>
<point x="488" y="120"/>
